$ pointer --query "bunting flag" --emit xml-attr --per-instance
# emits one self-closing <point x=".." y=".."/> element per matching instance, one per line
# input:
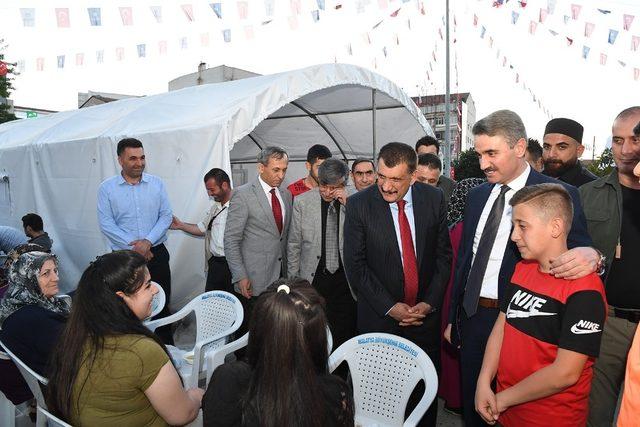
<point x="636" y="74"/>
<point x="635" y="43"/>
<point x="440" y="32"/>
<point x="383" y="4"/>
<point x="99" y="56"/>
<point x="62" y="17"/>
<point x="296" y="7"/>
<point x="604" y="12"/>
<point x="320" y="4"/>
<point x="95" y="17"/>
<point x="184" y="43"/>
<point x="504" y="61"/>
<point x="517" y="78"/>
<point x="79" y="59"/>
<point x="551" y="6"/>
<point x="588" y="29"/>
<point x="585" y="51"/>
<point x="293" y="22"/>
<point x="523" y="3"/>
<point x="603" y="59"/>
<point x="28" y="15"/>
<point x="566" y="19"/>
<point x="409" y="23"/>
<point x="142" y="50"/>
<point x="553" y="33"/>
<point x="269" y="7"/>
<point x="490" y="41"/>
<point x="248" y="32"/>
<point x="40" y="64"/>
<point x="188" y="11"/>
<point x="532" y="27"/>
<point x="60" y="61"/>
<point x="243" y="9"/>
<point x="226" y="35"/>
<point x="315" y="15"/>
<point x="575" y="11"/>
<point x="156" y="11"/>
<point x="514" y="17"/>
<point x="475" y="20"/>
<point x="204" y="39"/>
<point x="622" y="63"/>
<point x="217" y="9"/>
<point x="162" y="47"/>
<point x="119" y="53"/>
<point x="498" y="3"/>
<point x="482" y="31"/>
<point x="543" y="15"/>
<point x="626" y="21"/>
<point x="350" y="49"/>
<point x="127" y="16"/>
<point x="613" y="34"/>
<point x="384" y="51"/>
<point x="395" y="14"/>
<point x="569" y="41"/>
<point x="397" y="39"/>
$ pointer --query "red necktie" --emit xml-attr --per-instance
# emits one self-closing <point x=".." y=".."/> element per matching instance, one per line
<point x="277" y="209"/>
<point x="409" y="263"/>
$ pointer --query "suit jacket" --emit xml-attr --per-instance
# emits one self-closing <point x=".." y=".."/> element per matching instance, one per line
<point x="304" y="245"/>
<point x="447" y="185"/>
<point x="252" y="244"/>
<point x="373" y="263"/>
<point x="476" y="200"/>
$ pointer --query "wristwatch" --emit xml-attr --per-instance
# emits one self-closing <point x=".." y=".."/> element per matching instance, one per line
<point x="601" y="266"/>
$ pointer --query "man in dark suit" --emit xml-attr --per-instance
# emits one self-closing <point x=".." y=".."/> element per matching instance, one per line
<point x="397" y="254"/>
<point x="487" y="257"/>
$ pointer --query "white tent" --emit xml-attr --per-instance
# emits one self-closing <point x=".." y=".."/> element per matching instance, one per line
<point x="53" y="165"/>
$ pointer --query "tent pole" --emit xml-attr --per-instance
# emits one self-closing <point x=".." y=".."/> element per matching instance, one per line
<point x="373" y="121"/>
<point x="254" y="141"/>
<point x="313" y="116"/>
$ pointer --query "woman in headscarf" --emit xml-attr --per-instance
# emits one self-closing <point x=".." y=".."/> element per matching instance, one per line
<point x="449" y="389"/>
<point x="31" y="315"/>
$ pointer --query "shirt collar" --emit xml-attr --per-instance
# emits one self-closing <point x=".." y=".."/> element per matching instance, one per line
<point x="266" y="187"/>
<point x="520" y="181"/>
<point x="121" y="179"/>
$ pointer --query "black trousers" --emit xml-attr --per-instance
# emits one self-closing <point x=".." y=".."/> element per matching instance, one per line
<point x="475" y="333"/>
<point x="218" y="275"/>
<point x="161" y="274"/>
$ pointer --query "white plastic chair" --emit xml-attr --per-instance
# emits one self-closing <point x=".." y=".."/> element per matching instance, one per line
<point x="218" y="315"/>
<point x="34" y="380"/>
<point x="218" y="356"/>
<point x="7" y="408"/>
<point x="53" y="421"/>
<point x="385" y="369"/>
<point x="158" y="302"/>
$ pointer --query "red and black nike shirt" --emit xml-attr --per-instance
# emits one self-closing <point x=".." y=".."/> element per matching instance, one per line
<point x="544" y="313"/>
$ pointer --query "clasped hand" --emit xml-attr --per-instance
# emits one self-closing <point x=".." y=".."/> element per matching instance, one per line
<point x="409" y="316"/>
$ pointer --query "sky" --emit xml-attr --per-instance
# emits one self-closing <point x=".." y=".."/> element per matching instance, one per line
<point x="397" y="38"/>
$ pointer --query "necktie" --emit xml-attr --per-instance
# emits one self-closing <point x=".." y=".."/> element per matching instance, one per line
<point x="331" y="262"/>
<point x="277" y="209"/>
<point x="409" y="264"/>
<point x="479" y="267"/>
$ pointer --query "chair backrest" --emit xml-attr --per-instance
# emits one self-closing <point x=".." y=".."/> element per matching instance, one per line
<point x="32" y="378"/>
<point x="158" y="302"/>
<point x="216" y="312"/>
<point x="385" y="369"/>
<point x="53" y="421"/>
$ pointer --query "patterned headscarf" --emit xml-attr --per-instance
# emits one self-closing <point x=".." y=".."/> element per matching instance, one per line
<point x="24" y="289"/>
<point x="458" y="199"/>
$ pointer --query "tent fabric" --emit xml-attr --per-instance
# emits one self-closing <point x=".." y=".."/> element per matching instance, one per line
<point x="54" y="164"/>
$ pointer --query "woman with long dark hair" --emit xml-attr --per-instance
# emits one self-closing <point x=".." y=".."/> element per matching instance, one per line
<point x="108" y="369"/>
<point x="285" y="379"/>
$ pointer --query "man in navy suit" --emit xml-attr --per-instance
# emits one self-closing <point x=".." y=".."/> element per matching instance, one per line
<point x="487" y="257"/>
<point x="397" y="256"/>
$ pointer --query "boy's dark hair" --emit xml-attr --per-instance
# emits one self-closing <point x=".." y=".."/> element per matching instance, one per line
<point x="430" y="160"/>
<point x="318" y="152"/>
<point x="395" y="153"/>
<point x="428" y="141"/>
<point x="128" y="143"/>
<point x="359" y="160"/>
<point x="551" y="200"/>
<point x="534" y="148"/>
<point x="32" y="220"/>
<point x="218" y="175"/>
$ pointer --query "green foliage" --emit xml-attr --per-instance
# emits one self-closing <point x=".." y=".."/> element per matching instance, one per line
<point x="467" y="165"/>
<point x="604" y="164"/>
<point x="5" y="91"/>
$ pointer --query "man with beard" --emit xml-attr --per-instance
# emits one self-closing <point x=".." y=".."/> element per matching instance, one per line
<point x="315" y="156"/>
<point x="134" y="213"/>
<point x="218" y="186"/>
<point x="561" y="148"/>
<point x="612" y="207"/>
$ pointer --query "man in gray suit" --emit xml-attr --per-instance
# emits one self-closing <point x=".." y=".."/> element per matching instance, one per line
<point x="255" y="237"/>
<point x="314" y="250"/>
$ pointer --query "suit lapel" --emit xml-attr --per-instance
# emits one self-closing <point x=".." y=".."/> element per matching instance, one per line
<point x="382" y="207"/>
<point x="482" y="194"/>
<point x="266" y="207"/>
<point x="419" y="217"/>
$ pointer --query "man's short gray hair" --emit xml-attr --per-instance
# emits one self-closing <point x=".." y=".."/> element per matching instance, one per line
<point x="271" y="152"/>
<point x="333" y="172"/>
<point x="504" y="123"/>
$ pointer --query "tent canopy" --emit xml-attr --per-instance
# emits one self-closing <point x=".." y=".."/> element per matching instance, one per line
<point x="54" y="164"/>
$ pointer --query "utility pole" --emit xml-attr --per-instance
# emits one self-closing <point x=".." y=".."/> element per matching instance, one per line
<point x="446" y="167"/>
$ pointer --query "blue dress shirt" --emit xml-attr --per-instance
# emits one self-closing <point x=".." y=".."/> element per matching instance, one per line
<point x="129" y="212"/>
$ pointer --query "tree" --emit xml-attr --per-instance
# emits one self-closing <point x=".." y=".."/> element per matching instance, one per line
<point x="5" y="88"/>
<point x="604" y="164"/>
<point x="467" y="165"/>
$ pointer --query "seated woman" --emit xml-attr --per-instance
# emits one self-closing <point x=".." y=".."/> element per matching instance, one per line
<point x="285" y="380"/>
<point x="31" y="316"/>
<point x="108" y="369"/>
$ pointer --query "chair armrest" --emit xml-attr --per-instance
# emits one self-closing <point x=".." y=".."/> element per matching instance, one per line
<point x="152" y="325"/>
<point x="216" y="357"/>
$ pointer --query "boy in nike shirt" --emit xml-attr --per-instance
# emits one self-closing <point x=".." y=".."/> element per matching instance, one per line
<point x="548" y="332"/>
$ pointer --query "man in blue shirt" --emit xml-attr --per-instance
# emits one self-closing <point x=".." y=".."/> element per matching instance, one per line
<point x="10" y="238"/>
<point x="134" y="213"/>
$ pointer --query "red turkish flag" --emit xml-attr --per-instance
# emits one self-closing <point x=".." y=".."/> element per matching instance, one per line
<point x="3" y="69"/>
